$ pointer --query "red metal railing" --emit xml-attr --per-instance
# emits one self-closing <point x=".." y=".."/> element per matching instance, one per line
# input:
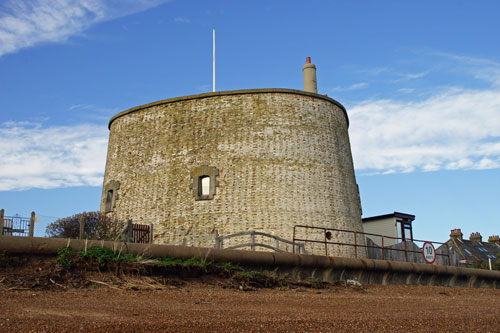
<point x="327" y="236"/>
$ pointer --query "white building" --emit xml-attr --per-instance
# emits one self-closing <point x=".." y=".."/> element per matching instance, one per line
<point x="395" y="228"/>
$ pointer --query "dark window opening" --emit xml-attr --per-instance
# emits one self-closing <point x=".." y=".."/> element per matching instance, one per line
<point x="109" y="201"/>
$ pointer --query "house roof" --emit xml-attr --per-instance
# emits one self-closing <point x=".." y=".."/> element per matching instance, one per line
<point x="403" y="216"/>
<point x="475" y="251"/>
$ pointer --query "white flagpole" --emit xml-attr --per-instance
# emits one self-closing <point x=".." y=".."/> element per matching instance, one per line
<point x="214" y="60"/>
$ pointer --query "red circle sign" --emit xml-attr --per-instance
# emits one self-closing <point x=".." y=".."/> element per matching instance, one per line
<point x="429" y="252"/>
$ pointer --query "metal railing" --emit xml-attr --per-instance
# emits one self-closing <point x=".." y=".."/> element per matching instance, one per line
<point x="253" y="244"/>
<point x="327" y="240"/>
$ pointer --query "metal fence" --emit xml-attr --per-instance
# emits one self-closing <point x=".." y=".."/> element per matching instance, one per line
<point x="408" y="249"/>
<point x="17" y="225"/>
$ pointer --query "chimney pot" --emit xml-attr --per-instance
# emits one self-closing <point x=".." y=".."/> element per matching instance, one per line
<point x="310" y="84"/>
<point x="476" y="236"/>
<point x="456" y="233"/>
<point x="494" y="239"/>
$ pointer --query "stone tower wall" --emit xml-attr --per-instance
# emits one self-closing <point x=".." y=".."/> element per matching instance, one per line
<point x="282" y="158"/>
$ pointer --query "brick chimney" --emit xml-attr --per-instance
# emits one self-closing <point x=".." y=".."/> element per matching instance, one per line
<point x="476" y="236"/>
<point x="494" y="239"/>
<point x="457" y="233"/>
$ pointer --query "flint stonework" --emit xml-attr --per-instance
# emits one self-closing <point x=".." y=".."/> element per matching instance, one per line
<point x="282" y="158"/>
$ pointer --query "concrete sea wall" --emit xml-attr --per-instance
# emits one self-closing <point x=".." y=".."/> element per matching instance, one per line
<point x="366" y="271"/>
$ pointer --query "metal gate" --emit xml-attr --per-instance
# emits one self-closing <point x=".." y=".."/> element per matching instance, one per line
<point x="141" y="233"/>
<point x="17" y="225"/>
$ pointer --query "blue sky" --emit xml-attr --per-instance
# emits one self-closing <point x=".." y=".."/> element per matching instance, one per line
<point x="420" y="81"/>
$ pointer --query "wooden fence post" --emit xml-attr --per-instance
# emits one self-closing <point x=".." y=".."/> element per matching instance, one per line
<point x="32" y="224"/>
<point x="130" y="231"/>
<point x="2" y="212"/>
<point x="82" y="225"/>
<point x="217" y="245"/>
<point x="151" y="233"/>
<point x="252" y="241"/>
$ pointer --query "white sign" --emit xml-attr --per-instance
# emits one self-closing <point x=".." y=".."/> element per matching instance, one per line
<point x="429" y="253"/>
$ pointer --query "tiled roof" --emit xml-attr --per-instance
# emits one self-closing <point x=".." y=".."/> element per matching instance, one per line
<point x="475" y="251"/>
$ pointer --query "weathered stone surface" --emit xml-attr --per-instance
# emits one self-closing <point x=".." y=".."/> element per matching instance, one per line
<point x="283" y="158"/>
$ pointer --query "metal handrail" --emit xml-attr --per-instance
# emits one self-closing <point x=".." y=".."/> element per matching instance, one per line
<point x="219" y="241"/>
<point x="356" y="245"/>
<point x="254" y="244"/>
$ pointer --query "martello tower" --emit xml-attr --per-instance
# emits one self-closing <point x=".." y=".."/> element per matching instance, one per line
<point x="232" y="161"/>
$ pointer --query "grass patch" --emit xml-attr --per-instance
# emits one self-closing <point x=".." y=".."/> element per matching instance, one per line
<point x="168" y="261"/>
<point x="229" y="266"/>
<point x="96" y="258"/>
<point x="171" y="261"/>
<point x="102" y="255"/>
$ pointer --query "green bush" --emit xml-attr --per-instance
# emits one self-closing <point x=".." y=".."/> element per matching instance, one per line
<point x="65" y="256"/>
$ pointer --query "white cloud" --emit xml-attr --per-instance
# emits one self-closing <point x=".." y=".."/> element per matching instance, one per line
<point x="182" y="20"/>
<point x="412" y="76"/>
<point x="479" y="68"/>
<point x="34" y="156"/>
<point x="458" y="129"/>
<point x="354" y="86"/>
<point x="30" y="22"/>
<point x="406" y="90"/>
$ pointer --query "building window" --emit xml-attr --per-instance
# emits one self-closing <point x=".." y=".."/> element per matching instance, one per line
<point x="204" y="186"/>
<point x="399" y="231"/>
<point x="404" y="230"/>
<point x="204" y="182"/>
<point x="110" y="196"/>
<point x="109" y="201"/>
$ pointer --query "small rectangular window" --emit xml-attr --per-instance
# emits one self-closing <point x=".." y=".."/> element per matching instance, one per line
<point x="109" y="201"/>
<point x="204" y="182"/>
<point x="204" y="185"/>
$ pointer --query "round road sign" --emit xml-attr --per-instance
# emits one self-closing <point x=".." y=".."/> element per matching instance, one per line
<point x="429" y="253"/>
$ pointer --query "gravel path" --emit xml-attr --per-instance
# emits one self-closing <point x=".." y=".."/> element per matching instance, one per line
<point x="197" y="307"/>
